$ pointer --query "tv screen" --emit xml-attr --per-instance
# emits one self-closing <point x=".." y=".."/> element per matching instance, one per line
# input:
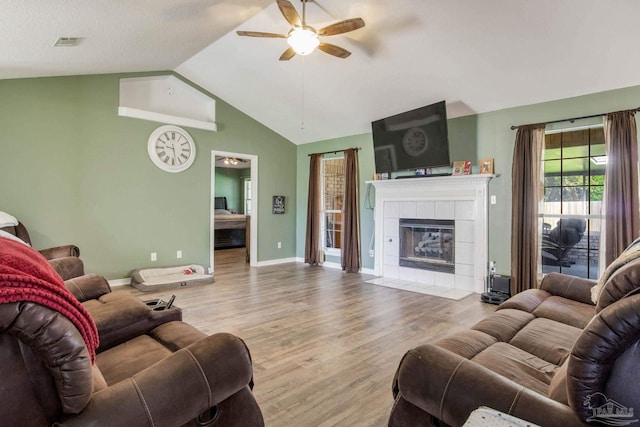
<point x="413" y="140"/>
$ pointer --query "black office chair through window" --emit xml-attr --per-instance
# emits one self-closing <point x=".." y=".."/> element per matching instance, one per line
<point x="557" y="242"/>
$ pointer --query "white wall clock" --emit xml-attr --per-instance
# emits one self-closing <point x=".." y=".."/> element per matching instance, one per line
<point x="171" y="148"/>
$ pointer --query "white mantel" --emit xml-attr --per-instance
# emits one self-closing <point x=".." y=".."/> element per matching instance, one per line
<point x="463" y="199"/>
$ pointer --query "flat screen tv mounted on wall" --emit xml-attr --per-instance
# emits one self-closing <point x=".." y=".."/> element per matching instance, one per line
<point x="415" y="139"/>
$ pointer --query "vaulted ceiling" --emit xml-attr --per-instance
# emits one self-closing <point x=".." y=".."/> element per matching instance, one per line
<point x="479" y="56"/>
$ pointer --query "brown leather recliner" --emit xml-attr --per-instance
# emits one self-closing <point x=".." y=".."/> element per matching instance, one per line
<point x="172" y="376"/>
<point x="64" y="259"/>
<point x="548" y="356"/>
<point x="118" y="316"/>
<point x="165" y="375"/>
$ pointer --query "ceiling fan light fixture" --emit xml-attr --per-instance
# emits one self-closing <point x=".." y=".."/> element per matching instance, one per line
<point x="230" y="161"/>
<point x="303" y="40"/>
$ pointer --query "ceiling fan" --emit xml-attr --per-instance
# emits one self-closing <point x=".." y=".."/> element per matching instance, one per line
<point x="302" y="38"/>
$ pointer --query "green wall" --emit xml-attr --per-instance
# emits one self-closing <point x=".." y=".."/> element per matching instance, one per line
<point x="471" y="138"/>
<point x="73" y="171"/>
<point x="230" y="184"/>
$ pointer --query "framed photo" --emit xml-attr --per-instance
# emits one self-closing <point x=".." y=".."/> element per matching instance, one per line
<point x="458" y="168"/>
<point x="486" y="166"/>
<point x="278" y="204"/>
<point x="467" y="167"/>
<point x="461" y="167"/>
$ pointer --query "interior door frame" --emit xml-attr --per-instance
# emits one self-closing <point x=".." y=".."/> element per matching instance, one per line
<point x="253" y="242"/>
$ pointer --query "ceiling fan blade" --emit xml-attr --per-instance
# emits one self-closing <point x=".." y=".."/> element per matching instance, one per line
<point x="289" y="12"/>
<point x="287" y="54"/>
<point x="260" y="34"/>
<point x="341" y="27"/>
<point x="334" y="50"/>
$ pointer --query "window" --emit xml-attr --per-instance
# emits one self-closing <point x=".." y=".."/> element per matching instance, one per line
<point x="247" y="196"/>
<point x="332" y="199"/>
<point x="574" y="171"/>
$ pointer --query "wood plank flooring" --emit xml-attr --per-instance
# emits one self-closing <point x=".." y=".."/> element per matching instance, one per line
<point x="325" y="345"/>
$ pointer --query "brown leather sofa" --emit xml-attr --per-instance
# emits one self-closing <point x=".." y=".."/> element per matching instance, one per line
<point x="549" y="356"/>
<point x="64" y="259"/>
<point x="118" y="316"/>
<point x="149" y="370"/>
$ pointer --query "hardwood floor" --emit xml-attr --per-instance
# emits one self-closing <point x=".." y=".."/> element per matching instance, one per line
<point x="325" y="345"/>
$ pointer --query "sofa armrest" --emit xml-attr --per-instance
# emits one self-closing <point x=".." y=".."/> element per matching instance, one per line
<point x="68" y="267"/>
<point x="450" y="387"/>
<point x="570" y="287"/>
<point x="175" y="390"/>
<point x="61" y="252"/>
<point x="88" y="286"/>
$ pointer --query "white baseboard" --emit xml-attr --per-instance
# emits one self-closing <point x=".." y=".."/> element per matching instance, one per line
<point x="120" y="282"/>
<point x="275" y="262"/>
<point x="337" y="266"/>
<point x="333" y="265"/>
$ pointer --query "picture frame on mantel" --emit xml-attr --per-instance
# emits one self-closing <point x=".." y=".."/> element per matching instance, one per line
<point x="462" y="167"/>
<point x="486" y="166"/>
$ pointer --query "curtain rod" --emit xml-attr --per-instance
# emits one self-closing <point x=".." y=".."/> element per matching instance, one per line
<point x="336" y="151"/>
<point x="576" y="118"/>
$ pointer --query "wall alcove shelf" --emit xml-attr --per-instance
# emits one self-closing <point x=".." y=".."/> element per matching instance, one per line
<point x="166" y="99"/>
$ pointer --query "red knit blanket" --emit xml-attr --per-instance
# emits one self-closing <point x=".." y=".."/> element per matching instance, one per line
<point x="25" y="275"/>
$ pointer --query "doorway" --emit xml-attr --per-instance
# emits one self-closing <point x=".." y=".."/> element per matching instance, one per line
<point x="252" y="230"/>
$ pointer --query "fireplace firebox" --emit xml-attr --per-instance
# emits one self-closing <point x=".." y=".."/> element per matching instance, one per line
<point x="427" y="244"/>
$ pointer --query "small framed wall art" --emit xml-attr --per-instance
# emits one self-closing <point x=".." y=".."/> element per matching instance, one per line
<point x="486" y="166"/>
<point x="278" y="204"/>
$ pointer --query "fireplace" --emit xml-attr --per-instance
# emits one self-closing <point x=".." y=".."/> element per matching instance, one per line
<point x="427" y="244"/>
<point x="461" y="200"/>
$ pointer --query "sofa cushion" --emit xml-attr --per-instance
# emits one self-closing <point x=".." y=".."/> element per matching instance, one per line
<point x="566" y="311"/>
<point x="570" y="287"/>
<point x="517" y="365"/>
<point x="98" y="379"/>
<point x="547" y="339"/>
<point x="131" y="357"/>
<point x="467" y="343"/>
<point x="527" y="300"/>
<point x="558" y="386"/>
<point x="504" y="324"/>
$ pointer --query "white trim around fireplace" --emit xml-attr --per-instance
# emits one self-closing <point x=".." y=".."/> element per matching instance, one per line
<point x="461" y="198"/>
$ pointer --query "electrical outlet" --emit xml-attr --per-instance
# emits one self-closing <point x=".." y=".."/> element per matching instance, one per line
<point x="179" y="254"/>
<point x="154" y="256"/>
<point x="279" y="245"/>
<point x="371" y="253"/>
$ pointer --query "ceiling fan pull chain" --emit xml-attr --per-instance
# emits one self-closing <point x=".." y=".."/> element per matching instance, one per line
<point x="302" y="112"/>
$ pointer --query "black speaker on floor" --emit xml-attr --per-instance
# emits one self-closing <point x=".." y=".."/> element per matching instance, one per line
<point x="499" y="290"/>
<point x="501" y="284"/>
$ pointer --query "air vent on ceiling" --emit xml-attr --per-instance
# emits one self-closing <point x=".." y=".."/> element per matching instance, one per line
<point x="67" y="41"/>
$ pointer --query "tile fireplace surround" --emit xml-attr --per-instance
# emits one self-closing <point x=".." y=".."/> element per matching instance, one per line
<point x="463" y="199"/>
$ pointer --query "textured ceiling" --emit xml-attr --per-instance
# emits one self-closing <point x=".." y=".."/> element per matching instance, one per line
<point x="479" y="56"/>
